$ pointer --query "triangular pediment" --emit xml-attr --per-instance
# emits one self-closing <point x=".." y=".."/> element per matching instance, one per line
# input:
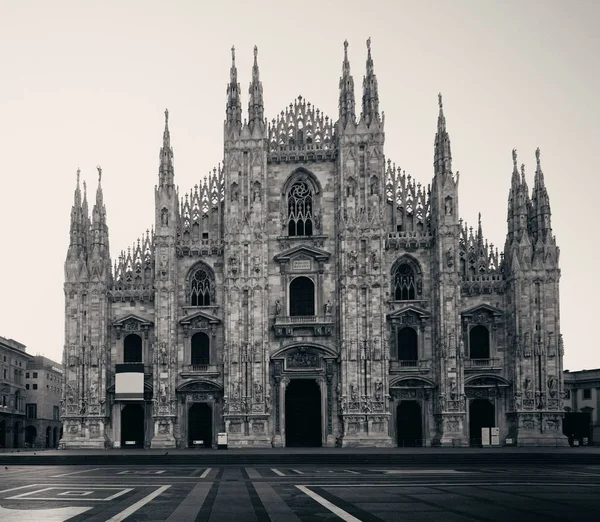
<point x="483" y="308"/>
<point x="132" y="319"/>
<point x="408" y="310"/>
<point x="302" y="250"/>
<point x="199" y="316"/>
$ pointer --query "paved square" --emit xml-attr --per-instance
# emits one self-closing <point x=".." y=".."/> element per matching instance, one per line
<point x="62" y="493"/>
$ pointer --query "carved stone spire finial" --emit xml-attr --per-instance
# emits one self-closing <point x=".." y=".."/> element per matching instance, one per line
<point x="537" y="157"/>
<point x="255" y="53"/>
<point x="99" y="168"/>
<point x="233" y="53"/>
<point x="514" y="155"/>
<point x="441" y="105"/>
<point x="369" y="44"/>
<point x="166" y="116"/>
<point x="78" y="174"/>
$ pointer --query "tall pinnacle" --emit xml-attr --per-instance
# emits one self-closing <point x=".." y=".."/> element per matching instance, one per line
<point x="234" y="106"/>
<point x="166" y="171"/>
<point x="442" y="155"/>
<point x="255" y="103"/>
<point x="347" y="102"/>
<point x="540" y="202"/>
<point x="99" y="238"/>
<point x="370" y="101"/>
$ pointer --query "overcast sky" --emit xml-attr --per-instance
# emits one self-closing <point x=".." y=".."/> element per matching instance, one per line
<point x="86" y="84"/>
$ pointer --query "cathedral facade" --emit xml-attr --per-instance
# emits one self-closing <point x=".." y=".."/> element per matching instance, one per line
<point x="308" y="292"/>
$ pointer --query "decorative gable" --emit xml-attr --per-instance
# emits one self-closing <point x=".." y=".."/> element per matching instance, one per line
<point x="200" y="320"/>
<point x="132" y="324"/>
<point x="482" y="314"/>
<point x="408" y="315"/>
<point x="302" y="258"/>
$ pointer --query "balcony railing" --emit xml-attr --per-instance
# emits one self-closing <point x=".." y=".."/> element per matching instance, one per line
<point x="482" y="363"/>
<point x="408" y="366"/>
<point x="212" y="369"/>
<point x="290" y="325"/>
<point x="199" y="367"/>
<point x="302" y="319"/>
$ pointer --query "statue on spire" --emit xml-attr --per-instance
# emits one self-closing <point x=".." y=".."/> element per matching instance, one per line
<point x="99" y="168"/>
<point x="514" y="155"/>
<point x="537" y="157"/>
<point x="166" y="116"/>
<point x="233" y="53"/>
<point x="441" y="105"/>
<point x="78" y="174"/>
<point x="369" y="44"/>
<point x="255" y="53"/>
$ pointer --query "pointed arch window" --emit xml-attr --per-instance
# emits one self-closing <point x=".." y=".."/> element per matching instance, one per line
<point x="300" y="209"/>
<point x="200" y="288"/>
<point x="405" y="284"/>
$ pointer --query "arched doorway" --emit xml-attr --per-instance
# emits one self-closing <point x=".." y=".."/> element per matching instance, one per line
<point x="55" y="433"/>
<point x="303" y="413"/>
<point x="409" y="422"/>
<point x="30" y="435"/>
<point x="48" y="437"/>
<point x="200" y="425"/>
<point x="132" y="426"/>
<point x="482" y="414"/>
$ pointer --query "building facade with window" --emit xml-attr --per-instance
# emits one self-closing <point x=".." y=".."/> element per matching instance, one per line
<point x="582" y="403"/>
<point x="44" y="384"/>
<point x="308" y="292"/>
<point x="13" y="363"/>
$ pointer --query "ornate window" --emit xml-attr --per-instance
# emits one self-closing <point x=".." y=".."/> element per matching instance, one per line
<point x="405" y="288"/>
<point x="132" y="349"/>
<point x="200" y="349"/>
<point x="408" y="344"/>
<point x="302" y="296"/>
<point x="479" y="342"/>
<point x="200" y="288"/>
<point x="300" y="209"/>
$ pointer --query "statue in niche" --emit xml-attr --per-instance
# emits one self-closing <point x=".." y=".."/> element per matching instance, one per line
<point x="256" y="193"/>
<point x="236" y="391"/>
<point x="527" y="386"/>
<point x="448" y="206"/>
<point x="162" y="391"/>
<point x="163" y="353"/>
<point x="353" y="394"/>
<point x="453" y="388"/>
<point x="278" y="307"/>
<point x="378" y="390"/>
<point x="343" y="404"/>
<point x="257" y="392"/>
<point x="552" y="385"/>
<point x="164" y="217"/>
<point x="328" y="308"/>
<point x="93" y="390"/>
<point x="449" y="258"/>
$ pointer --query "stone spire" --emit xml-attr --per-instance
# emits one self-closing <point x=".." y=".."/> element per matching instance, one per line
<point x="234" y="107"/>
<point x="76" y="230"/>
<point x="442" y="162"/>
<point x="100" y="257"/>
<point x="166" y="172"/>
<point x="540" y="217"/>
<point x="255" y="103"/>
<point x="518" y="203"/>
<point x="347" y="102"/>
<point x="370" y="101"/>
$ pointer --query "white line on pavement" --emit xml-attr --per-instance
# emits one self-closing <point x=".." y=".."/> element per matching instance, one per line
<point x="19" y="487"/>
<point x="75" y="472"/>
<point x="350" y="471"/>
<point x="299" y="472"/>
<point x="139" y="504"/>
<point x="206" y="472"/>
<point x="344" y="515"/>
<point x="277" y="472"/>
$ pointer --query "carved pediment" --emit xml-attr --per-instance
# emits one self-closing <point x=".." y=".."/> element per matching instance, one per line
<point x="302" y="252"/>
<point x="132" y="323"/>
<point x="201" y="320"/>
<point x="412" y="382"/>
<point x="486" y="381"/>
<point x="409" y="314"/>
<point x="199" y="386"/>
<point x="483" y="313"/>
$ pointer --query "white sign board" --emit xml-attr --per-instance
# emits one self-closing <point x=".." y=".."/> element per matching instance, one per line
<point x="222" y="439"/>
<point x="485" y="436"/>
<point x="495" y="436"/>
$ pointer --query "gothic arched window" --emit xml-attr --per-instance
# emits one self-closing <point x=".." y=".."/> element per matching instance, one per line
<point x="479" y="342"/>
<point x="132" y="349"/>
<point x="300" y="210"/>
<point x="200" y="349"/>
<point x="408" y="345"/>
<point x="404" y="283"/>
<point x="200" y="290"/>
<point x="302" y="296"/>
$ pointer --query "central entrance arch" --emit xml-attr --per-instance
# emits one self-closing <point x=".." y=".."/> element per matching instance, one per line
<point x="482" y="414"/>
<point x="200" y="424"/>
<point x="409" y="421"/>
<point x="132" y="426"/>
<point x="303" y="413"/>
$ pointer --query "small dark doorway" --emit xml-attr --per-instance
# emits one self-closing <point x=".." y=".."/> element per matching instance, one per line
<point x="132" y="426"/>
<point x="200" y="425"/>
<point x="409" y="424"/>
<point x="48" y="437"/>
<point x="482" y="414"/>
<point x="30" y="436"/>
<point x="17" y="435"/>
<point x="303" y="413"/>
<point x="55" y="432"/>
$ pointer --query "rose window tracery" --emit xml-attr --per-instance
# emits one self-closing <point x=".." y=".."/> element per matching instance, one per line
<point x="300" y="210"/>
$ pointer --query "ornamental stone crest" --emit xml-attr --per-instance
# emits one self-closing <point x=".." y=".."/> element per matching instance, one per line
<point x="302" y="358"/>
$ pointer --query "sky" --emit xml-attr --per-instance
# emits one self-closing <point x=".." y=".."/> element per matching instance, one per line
<point x="86" y="84"/>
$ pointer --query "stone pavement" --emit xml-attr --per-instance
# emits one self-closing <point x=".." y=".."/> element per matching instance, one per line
<point x="301" y="493"/>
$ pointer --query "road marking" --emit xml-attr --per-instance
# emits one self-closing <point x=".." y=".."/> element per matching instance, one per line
<point x="299" y="472"/>
<point x="141" y="472"/>
<point x="41" y="515"/>
<point x="417" y="471"/>
<point x="344" y="515"/>
<point x="253" y="474"/>
<point x="19" y="487"/>
<point x="139" y="504"/>
<point x="452" y="484"/>
<point x="27" y="496"/>
<point x="350" y="471"/>
<point x="191" y="505"/>
<point x="277" y="509"/>
<point x="277" y="472"/>
<point x="206" y="472"/>
<point x="75" y="473"/>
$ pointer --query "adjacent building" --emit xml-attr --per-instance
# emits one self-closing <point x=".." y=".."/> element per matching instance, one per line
<point x="13" y="364"/>
<point x="310" y="292"/>
<point x="582" y="403"/>
<point x="44" y="385"/>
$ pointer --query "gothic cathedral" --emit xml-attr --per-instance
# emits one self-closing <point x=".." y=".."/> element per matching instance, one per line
<point x="309" y="293"/>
